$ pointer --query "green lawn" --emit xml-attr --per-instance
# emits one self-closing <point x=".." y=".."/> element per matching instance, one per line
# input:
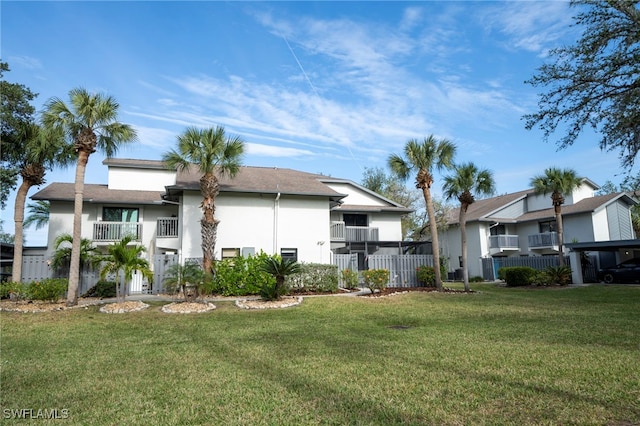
<point x="501" y="356"/>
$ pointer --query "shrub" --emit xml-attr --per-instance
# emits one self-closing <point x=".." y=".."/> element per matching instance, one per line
<point x="559" y="274"/>
<point x="280" y="269"/>
<point x="102" y="289"/>
<point x="350" y="278"/>
<point x="476" y="279"/>
<point x="426" y="276"/>
<point x="315" y="278"/>
<point x="540" y="278"/>
<point x="518" y="275"/>
<point x="50" y="289"/>
<point x="240" y="276"/>
<point x="13" y="290"/>
<point x="376" y="279"/>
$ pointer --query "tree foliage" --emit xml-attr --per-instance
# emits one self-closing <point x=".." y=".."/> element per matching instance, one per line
<point x="595" y="82"/>
<point x="558" y="183"/>
<point x="467" y="182"/>
<point x="15" y="112"/>
<point x="422" y="157"/>
<point x="89" y="122"/>
<point x="213" y="154"/>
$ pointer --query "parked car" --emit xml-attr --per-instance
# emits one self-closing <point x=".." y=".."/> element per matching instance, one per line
<point x="627" y="271"/>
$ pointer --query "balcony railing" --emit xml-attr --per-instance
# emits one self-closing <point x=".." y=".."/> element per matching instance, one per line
<point x="544" y="240"/>
<point x="340" y="232"/>
<point x="167" y="227"/>
<point x="115" y="231"/>
<point x="503" y="242"/>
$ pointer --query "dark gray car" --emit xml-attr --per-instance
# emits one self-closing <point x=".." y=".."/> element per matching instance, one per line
<point x="625" y="272"/>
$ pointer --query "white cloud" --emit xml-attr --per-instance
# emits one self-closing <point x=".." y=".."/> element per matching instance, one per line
<point x="275" y="151"/>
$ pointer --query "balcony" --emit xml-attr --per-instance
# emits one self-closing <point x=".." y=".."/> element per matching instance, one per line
<point x="115" y="231"/>
<point x="340" y="232"/>
<point x="545" y="240"/>
<point x="502" y="243"/>
<point x="167" y="227"/>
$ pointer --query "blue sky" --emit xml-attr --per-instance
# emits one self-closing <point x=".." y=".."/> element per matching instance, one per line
<point x="323" y="87"/>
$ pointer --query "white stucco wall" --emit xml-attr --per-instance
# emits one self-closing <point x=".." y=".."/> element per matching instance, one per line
<point x="600" y="226"/>
<point x="140" y="179"/>
<point x="261" y="222"/>
<point x="388" y="224"/>
<point x="577" y="228"/>
<point x="538" y="202"/>
<point x="356" y="195"/>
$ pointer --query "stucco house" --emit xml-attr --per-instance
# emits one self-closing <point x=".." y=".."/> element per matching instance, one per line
<point x="523" y="224"/>
<point x="304" y="216"/>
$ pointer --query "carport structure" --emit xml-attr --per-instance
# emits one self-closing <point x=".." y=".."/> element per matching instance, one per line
<point x="624" y="249"/>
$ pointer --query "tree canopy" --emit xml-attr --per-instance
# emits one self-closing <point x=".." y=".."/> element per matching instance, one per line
<point x="595" y="82"/>
<point x="15" y="112"/>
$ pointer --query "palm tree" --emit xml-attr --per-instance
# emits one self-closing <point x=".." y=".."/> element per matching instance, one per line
<point x="90" y="122"/>
<point x="42" y="149"/>
<point x="422" y="157"/>
<point x="559" y="183"/>
<point x="279" y="268"/>
<point x="215" y="155"/>
<point x="121" y="257"/>
<point x="178" y="276"/>
<point x="62" y="254"/>
<point x="38" y="214"/>
<point x="465" y="184"/>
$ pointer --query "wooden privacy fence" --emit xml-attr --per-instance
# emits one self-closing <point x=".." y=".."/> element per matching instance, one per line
<point x="402" y="267"/>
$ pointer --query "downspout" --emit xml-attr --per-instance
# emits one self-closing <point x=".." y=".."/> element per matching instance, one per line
<point x="276" y="207"/>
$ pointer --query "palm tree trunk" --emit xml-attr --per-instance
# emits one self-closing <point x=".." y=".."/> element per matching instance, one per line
<point x="209" y="187"/>
<point x="74" y="267"/>
<point x="426" y="192"/>
<point x="558" y="211"/>
<point x="18" y="217"/>
<point x="463" y="242"/>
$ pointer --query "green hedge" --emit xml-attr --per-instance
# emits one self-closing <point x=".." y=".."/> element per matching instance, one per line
<point x="517" y="275"/>
<point x="49" y="289"/>
<point x="315" y="278"/>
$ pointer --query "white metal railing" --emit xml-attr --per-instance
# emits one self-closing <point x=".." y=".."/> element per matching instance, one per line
<point x="545" y="239"/>
<point x="340" y="232"/>
<point x="503" y="242"/>
<point x="167" y="227"/>
<point x="337" y="231"/>
<point x="115" y="231"/>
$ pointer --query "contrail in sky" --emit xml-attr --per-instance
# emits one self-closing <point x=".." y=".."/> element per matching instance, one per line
<point x="301" y="68"/>
<point x="315" y="91"/>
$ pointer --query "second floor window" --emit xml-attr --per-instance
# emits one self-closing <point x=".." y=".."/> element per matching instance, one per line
<point x="120" y="214"/>
<point x="351" y="219"/>
<point x="548" y="226"/>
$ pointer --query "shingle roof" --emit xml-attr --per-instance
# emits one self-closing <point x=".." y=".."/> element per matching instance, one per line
<point x="98" y="194"/>
<point x="583" y="206"/>
<point x="134" y="163"/>
<point x="263" y="180"/>
<point x="373" y="209"/>
<point x="482" y="209"/>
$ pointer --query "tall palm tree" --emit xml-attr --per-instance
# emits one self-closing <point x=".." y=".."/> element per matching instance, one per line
<point x="90" y="122"/>
<point x="42" y="149"/>
<point x="121" y="257"/>
<point x="422" y="157"/>
<point x="214" y="155"/>
<point x="38" y="214"/>
<point x="558" y="182"/>
<point x="467" y="182"/>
